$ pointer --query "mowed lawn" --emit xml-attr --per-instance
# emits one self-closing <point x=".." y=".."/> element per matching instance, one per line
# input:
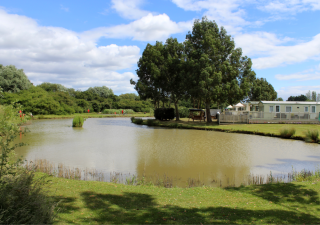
<point x="108" y="203"/>
<point x="264" y="128"/>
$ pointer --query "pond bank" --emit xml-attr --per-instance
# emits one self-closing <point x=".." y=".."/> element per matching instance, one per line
<point x="100" y="202"/>
<point x="89" y="115"/>
<point x="270" y="130"/>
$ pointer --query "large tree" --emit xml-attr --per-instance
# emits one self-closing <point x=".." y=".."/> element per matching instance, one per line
<point x="218" y="71"/>
<point x="262" y="91"/>
<point x="12" y="79"/>
<point x="161" y="72"/>
<point x="103" y="91"/>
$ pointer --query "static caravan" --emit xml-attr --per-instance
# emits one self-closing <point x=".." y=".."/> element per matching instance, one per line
<point x="290" y="110"/>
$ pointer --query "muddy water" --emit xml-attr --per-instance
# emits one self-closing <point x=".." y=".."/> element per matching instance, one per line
<point x="117" y="145"/>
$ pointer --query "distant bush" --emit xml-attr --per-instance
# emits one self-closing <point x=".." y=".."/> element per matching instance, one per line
<point x="312" y="136"/>
<point x="164" y="113"/>
<point x="152" y="122"/>
<point x="138" y="121"/>
<point x="183" y="112"/>
<point x="287" y="132"/>
<point x="77" y="121"/>
<point x="117" y="111"/>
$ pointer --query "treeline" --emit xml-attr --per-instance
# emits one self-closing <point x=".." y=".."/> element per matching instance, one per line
<point x="309" y="96"/>
<point x="48" y="98"/>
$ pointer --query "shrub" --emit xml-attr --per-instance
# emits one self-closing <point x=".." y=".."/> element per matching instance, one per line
<point x="138" y="121"/>
<point x="77" y="121"/>
<point x="287" y="132"/>
<point x="132" y="119"/>
<point x="23" y="199"/>
<point x="312" y="136"/>
<point x="183" y="112"/>
<point x="117" y="111"/>
<point x="164" y="113"/>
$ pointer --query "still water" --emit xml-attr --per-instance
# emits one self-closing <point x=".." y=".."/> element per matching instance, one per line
<point x="117" y="145"/>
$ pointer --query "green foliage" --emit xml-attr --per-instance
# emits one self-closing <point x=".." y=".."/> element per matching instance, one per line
<point x="138" y="121"/>
<point x="312" y="136"/>
<point x="262" y="91"/>
<point x="152" y="122"/>
<point x="103" y="91"/>
<point x="298" y="98"/>
<point x="12" y="79"/>
<point x="287" y="132"/>
<point x="77" y="121"/>
<point x="117" y="111"/>
<point x="22" y="197"/>
<point x="164" y="113"/>
<point x="183" y="112"/>
<point x="216" y="70"/>
<point x="50" y="87"/>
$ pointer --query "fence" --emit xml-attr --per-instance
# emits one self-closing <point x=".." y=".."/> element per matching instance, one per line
<point x="268" y="117"/>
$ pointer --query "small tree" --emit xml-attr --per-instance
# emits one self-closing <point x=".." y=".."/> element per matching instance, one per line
<point x="12" y="79"/>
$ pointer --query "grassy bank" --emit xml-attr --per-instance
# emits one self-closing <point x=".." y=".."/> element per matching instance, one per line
<point x="90" y="115"/>
<point x="258" y="129"/>
<point x="109" y="203"/>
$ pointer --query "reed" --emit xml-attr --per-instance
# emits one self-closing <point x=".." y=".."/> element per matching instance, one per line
<point x="77" y="121"/>
<point x="312" y="136"/>
<point x="287" y="132"/>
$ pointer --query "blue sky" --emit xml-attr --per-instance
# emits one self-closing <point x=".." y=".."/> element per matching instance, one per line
<point x="82" y="44"/>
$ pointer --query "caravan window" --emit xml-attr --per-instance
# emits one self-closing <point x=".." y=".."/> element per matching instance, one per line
<point x="271" y="109"/>
<point x="313" y="108"/>
<point x="288" y="109"/>
<point x="277" y="108"/>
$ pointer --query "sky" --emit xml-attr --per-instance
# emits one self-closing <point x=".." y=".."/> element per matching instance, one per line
<point x="82" y="44"/>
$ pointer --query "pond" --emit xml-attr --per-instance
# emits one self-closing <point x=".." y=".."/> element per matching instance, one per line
<point x="115" y="145"/>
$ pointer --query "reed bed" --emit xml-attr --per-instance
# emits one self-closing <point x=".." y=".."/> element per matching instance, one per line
<point x="62" y="171"/>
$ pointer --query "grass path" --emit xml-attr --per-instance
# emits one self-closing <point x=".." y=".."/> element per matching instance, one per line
<point x="108" y="203"/>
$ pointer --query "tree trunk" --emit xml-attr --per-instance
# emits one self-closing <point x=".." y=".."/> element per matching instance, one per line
<point x="177" y="110"/>
<point x="208" y="112"/>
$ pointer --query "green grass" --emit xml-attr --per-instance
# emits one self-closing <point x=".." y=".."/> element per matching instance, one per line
<point x="89" y="115"/>
<point x="109" y="203"/>
<point x="263" y="129"/>
<point x="77" y="121"/>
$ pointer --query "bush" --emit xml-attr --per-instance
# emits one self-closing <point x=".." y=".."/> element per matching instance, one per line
<point x="152" y="122"/>
<point x="138" y="121"/>
<point x="23" y="199"/>
<point x="77" y="121"/>
<point x="312" y="136"/>
<point x="287" y="132"/>
<point x="183" y="112"/>
<point x="164" y="113"/>
<point x="118" y="111"/>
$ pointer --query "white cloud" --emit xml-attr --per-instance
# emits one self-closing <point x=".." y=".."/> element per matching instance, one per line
<point x="64" y="8"/>
<point x="310" y="74"/>
<point x="227" y="13"/>
<point x="286" y="92"/>
<point x="129" y="8"/>
<point x="290" y="6"/>
<point x="53" y="54"/>
<point x="282" y="55"/>
<point x="148" y="28"/>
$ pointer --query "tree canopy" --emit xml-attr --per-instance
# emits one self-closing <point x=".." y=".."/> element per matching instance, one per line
<point x="13" y="79"/>
<point x="262" y="91"/>
<point x="298" y="98"/>
<point x="217" y="71"/>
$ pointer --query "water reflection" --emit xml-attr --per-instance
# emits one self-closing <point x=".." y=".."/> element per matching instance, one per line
<point x="117" y="145"/>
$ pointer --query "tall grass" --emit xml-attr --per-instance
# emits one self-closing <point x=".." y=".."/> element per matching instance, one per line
<point x="312" y="136"/>
<point x="287" y="132"/>
<point x="77" y="121"/>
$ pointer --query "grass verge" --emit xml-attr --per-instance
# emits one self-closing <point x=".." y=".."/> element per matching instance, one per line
<point x="109" y="203"/>
<point x="90" y="115"/>
<point x="273" y="130"/>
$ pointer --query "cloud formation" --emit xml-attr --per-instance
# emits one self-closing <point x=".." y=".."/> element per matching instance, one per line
<point x="148" y="28"/>
<point x="129" y="9"/>
<point x="53" y="54"/>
